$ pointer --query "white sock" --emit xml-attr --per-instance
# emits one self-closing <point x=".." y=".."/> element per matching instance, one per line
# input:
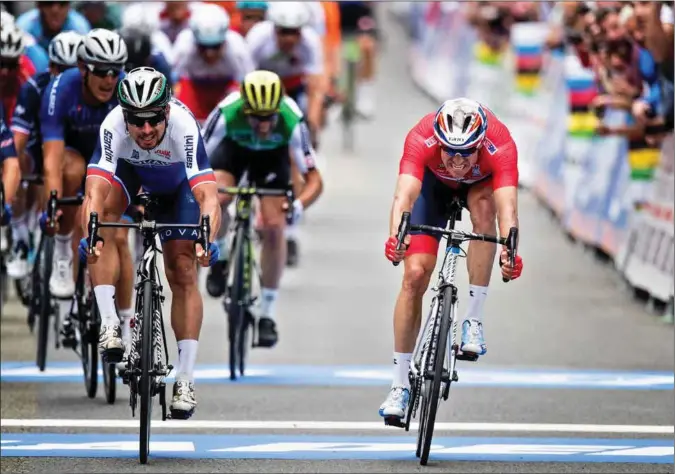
<point x="33" y="218"/>
<point x="477" y="295"/>
<point x="291" y="231"/>
<point x="105" y="299"/>
<point x="19" y="226"/>
<point x="62" y="245"/>
<point x="401" y="369"/>
<point x="125" y="316"/>
<point x="223" y="247"/>
<point x="187" y="357"/>
<point x="268" y="302"/>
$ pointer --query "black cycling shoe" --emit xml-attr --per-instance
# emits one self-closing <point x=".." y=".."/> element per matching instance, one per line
<point x="215" y="280"/>
<point x="68" y="338"/>
<point x="267" y="332"/>
<point x="291" y="252"/>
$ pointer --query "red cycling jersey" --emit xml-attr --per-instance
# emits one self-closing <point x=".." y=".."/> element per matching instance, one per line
<point x="498" y="158"/>
<point x="11" y="87"/>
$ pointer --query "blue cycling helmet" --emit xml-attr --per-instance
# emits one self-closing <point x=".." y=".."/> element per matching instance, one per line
<point x="251" y="5"/>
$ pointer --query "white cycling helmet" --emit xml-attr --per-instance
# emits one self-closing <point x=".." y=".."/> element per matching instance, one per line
<point x="142" y="89"/>
<point x="140" y="17"/>
<point x="11" y="41"/>
<point x="63" y="48"/>
<point x="461" y="124"/>
<point x="288" y="14"/>
<point x="209" y="25"/>
<point x="102" y="46"/>
<point x="6" y="18"/>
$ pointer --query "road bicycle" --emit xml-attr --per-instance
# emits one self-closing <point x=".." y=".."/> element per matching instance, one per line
<point x="239" y="290"/>
<point x="148" y="360"/>
<point x="433" y="365"/>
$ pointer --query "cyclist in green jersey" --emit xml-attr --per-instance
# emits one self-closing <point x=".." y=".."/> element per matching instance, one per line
<point x="260" y="129"/>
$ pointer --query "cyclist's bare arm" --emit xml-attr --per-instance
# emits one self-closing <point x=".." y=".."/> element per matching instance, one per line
<point x="96" y="192"/>
<point x="206" y="195"/>
<point x="408" y="189"/>
<point x="304" y="156"/>
<point x="53" y="151"/>
<point x="506" y="201"/>
<point x="11" y="177"/>
<point x="316" y="90"/>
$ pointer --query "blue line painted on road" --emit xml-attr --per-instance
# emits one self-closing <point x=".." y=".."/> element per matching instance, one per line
<point x="340" y="447"/>
<point x="373" y="376"/>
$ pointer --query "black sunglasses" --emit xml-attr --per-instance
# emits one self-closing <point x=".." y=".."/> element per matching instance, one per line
<point x="11" y="64"/>
<point x="211" y="47"/>
<point x="138" y="121"/>
<point x="252" y="17"/>
<point x="289" y="31"/>
<point x="104" y="71"/>
<point x="463" y="153"/>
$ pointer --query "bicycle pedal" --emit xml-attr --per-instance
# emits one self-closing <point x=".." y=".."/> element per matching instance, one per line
<point x="394" y="421"/>
<point x="467" y="357"/>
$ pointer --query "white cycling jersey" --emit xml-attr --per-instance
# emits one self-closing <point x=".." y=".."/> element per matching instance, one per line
<point x="317" y="17"/>
<point x="234" y="63"/>
<point x="306" y="59"/>
<point x="179" y="156"/>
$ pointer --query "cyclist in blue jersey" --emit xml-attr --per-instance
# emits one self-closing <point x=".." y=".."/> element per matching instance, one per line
<point x="51" y="18"/>
<point x="28" y="142"/>
<point x="139" y="47"/>
<point x="11" y="172"/>
<point x="73" y="108"/>
<point x="154" y="142"/>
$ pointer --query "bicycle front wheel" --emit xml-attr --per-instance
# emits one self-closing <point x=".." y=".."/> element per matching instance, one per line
<point x="45" y="302"/>
<point x="146" y="372"/>
<point x="236" y="303"/>
<point x="432" y="388"/>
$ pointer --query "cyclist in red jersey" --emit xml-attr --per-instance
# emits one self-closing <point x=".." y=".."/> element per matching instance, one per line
<point x="461" y="150"/>
<point x="15" y="67"/>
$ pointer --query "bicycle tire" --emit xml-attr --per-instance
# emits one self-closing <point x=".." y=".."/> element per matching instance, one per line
<point x="21" y="287"/>
<point x="236" y="309"/>
<point x="45" y="305"/>
<point x="89" y="349"/>
<point x="146" y="372"/>
<point x="433" y="394"/>
<point x="247" y="319"/>
<point x="34" y="306"/>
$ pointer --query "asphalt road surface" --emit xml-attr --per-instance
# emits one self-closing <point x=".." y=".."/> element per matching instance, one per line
<point x="578" y="376"/>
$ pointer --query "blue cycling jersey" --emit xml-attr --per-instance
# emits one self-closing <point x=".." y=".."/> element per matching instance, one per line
<point x="66" y="116"/>
<point x="36" y="54"/>
<point x="7" y="148"/>
<point x="26" y="117"/>
<point x="31" y="23"/>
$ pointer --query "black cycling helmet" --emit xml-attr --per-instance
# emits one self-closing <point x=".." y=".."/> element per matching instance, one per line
<point x="139" y="48"/>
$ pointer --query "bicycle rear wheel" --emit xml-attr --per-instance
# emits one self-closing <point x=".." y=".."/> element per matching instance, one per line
<point x="235" y="303"/>
<point x="45" y="301"/>
<point x="432" y="388"/>
<point x="147" y="378"/>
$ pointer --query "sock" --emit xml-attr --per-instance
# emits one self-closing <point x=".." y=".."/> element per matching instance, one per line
<point x="477" y="295"/>
<point x="62" y="245"/>
<point x="105" y="299"/>
<point x="401" y="369"/>
<point x="268" y="302"/>
<point x="187" y="356"/>
<point x="125" y="318"/>
<point x="33" y="218"/>
<point x="19" y="226"/>
<point x="224" y="248"/>
<point x="291" y="231"/>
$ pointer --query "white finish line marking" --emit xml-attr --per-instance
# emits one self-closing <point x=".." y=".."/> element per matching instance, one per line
<point x="337" y="425"/>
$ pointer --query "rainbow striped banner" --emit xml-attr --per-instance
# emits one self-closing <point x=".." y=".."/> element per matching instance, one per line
<point x="487" y="55"/>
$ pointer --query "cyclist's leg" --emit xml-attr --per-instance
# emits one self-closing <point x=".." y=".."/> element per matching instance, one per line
<point x="17" y="263"/>
<point x="62" y="283"/>
<point x="228" y="163"/>
<point x="186" y="303"/>
<point x="106" y="272"/>
<point x="418" y="266"/>
<point x="480" y="259"/>
<point x="124" y="287"/>
<point x="272" y="232"/>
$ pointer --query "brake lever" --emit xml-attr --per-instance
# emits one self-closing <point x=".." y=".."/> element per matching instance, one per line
<point x="92" y="228"/>
<point x="403" y="228"/>
<point x="511" y="246"/>
<point x="205" y="231"/>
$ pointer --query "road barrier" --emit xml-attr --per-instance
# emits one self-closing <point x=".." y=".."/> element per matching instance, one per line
<point x="611" y="194"/>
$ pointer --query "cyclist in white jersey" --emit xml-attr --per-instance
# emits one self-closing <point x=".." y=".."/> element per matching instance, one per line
<point x="144" y="16"/>
<point x="317" y="17"/>
<point x="211" y="61"/>
<point x="153" y="142"/>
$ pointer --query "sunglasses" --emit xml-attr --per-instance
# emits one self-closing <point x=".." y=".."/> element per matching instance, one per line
<point x="256" y="119"/>
<point x="213" y="47"/>
<point x="139" y="121"/>
<point x="104" y="71"/>
<point x="12" y="65"/>
<point x="288" y="31"/>
<point x="463" y="153"/>
<point x="252" y="17"/>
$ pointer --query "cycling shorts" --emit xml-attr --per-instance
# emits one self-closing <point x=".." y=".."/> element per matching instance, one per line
<point x="266" y="168"/>
<point x="432" y="208"/>
<point x="357" y="17"/>
<point x="178" y="207"/>
<point x="34" y="153"/>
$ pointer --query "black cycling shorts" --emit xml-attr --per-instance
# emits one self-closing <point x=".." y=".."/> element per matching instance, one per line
<point x="357" y="17"/>
<point x="266" y="168"/>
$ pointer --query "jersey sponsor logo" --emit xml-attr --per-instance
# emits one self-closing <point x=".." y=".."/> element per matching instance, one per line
<point x="52" y="96"/>
<point x="305" y="139"/>
<point x="431" y="141"/>
<point x="19" y="110"/>
<point x="107" y="145"/>
<point x="6" y="142"/>
<point x="491" y="148"/>
<point x="164" y="153"/>
<point x="135" y="155"/>
<point x="189" y="150"/>
<point x="475" y="171"/>
<point x="149" y="163"/>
